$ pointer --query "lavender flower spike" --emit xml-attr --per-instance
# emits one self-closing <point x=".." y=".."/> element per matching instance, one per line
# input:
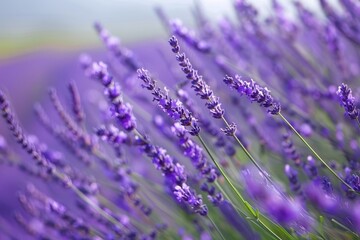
<point x="347" y="101"/>
<point x="195" y="153"/>
<point x="189" y="37"/>
<point x="122" y="111"/>
<point x="174" y="173"/>
<point x="77" y="108"/>
<point x="254" y="92"/>
<point x="20" y="136"/>
<point x="173" y="107"/>
<point x="197" y="83"/>
<point x="183" y="193"/>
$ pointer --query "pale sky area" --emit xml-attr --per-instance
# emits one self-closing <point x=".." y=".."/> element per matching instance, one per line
<point x="35" y="23"/>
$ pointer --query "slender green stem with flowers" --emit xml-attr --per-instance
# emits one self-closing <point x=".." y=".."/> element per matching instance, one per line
<point x="315" y="153"/>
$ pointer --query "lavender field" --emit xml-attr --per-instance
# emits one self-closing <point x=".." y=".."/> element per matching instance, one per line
<point x="244" y="126"/>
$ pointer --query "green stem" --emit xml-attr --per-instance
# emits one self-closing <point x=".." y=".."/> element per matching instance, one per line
<point x="252" y="159"/>
<point x="216" y="228"/>
<point x="222" y="190"/>
<point x="238" y="194"/>
<point x="344" y="227"/>
<point x="314" y="152"/>
<point x="321" y="226"/>
<point x="267" y="228"/>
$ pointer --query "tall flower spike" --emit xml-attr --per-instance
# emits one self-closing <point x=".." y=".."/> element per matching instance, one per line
<point x="174" y="173"/>
<point x="189" y="37"/>
<point x="254" y="92"/>
<point x="197" y="83"/>
<point x="290" y="150"/>
<point x="77" y="108"/>
<point x="347" y="101"/>
<point x="207" y="125"/>
<point x="292" y="175"/>
<point x="122" y="111"/>
<point x="310" y="168"/>
<point x="230" y="130"/>
<point x="172" y="170"/>
<point x="122" y="54"/>
<point x="78" y="133"/>
<point x="173" y="107"/>
<point x="19" y="134"/>
<point x="184" y="194"/>
<point x="195" y="153"/>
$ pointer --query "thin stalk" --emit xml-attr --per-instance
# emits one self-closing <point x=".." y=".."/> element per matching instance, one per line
<point x="238" y="194"/>
<point x="221" y="170"/>
<point x="222" y="190"/>
<point x="159" y="204"/>
<point x="315" y="153"/>
<point x="88" y="200"/>
<point x="321" y="230"/>
<point x="252" y="159"/>
<point x="267" y="228"/>
<point x="358" y="121"/>
<point x="243" y="214"/>
<point x="344" y="227"/>
<point x="135" y="222"/>
<point x="216" y="227"/>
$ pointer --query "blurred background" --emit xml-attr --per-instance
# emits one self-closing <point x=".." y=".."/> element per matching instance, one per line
<point x="41" y="40"/>
<point x="27" y="26"/>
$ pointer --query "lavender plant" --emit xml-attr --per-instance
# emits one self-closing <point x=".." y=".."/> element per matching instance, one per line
<point x="125" y="156"/>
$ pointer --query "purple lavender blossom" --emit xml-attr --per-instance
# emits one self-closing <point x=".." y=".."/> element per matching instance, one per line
<point x="120" y="53"/>
<point x="175" y="174"/>
<point x="196" y="154"/>
<point x="19" y="134"/>
<point x="189" y="37"/>
<point x="77" y="108"/>
<point x="310" y="168"/>
<point x="197" y="83"/>
<point x="207" y="125"/>
<point x="122" y="111"/>
<point x="72" y="126"/>
<point x="173" y="171"/>
<point x="184" y="194"/>
<point x="292" y="175"/>
<point x="290" y="150"/>
<point x="254" y="92"/>
<point x="283" y="210"/>
<point x="173" y="107"/>
<point x="347" y="101"/>
<point x="321" y="198"/>
<point x="113" y="135"/>
<point x="115" y="194"/>
<point x="353" y="180"/>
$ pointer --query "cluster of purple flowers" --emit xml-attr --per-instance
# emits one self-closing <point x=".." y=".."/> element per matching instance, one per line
<point x="283" y="210"/>
<point x="122" y="111"/>
<point x="201" y="88"/>
<point x="92" y="181"/>
<point x="254" y="92"/>
<point x="173" y="107"/>
<point x="174" y="173"/>
<point x="347" y="101"/>
<point x="180" y="30"/>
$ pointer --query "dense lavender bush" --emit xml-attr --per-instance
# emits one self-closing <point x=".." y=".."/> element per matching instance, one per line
<point x="248" y="130"/>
